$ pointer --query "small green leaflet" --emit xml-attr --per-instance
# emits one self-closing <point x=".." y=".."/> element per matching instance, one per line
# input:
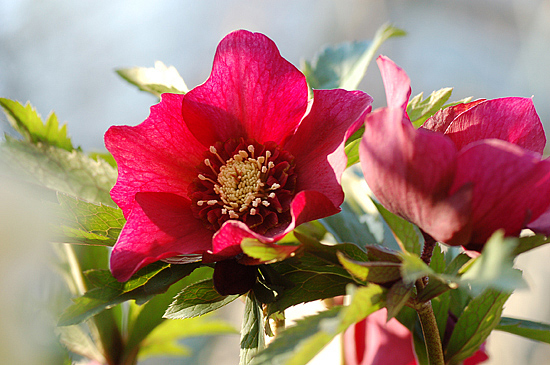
<point x="530" y="242"/>
<point x="152" y="279"/>
<point x="419" y="109"/>
<point x="477" y="321"/>
<point x="77" y="341"/>
<point x="298" y="344"/>
<point x="26" y="121"/>
<point x="87" y="223"/>
<point x="532" y="330"/>
<point x="344" y="65"/>
<point x="252" y="331"/>
<point x="155" y="80"/>
<point x="346" y="225"/>
<point x="197" y="299"/>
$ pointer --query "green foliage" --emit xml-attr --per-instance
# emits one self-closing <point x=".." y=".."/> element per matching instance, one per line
<point x="197" y="299"/>
<point x="163" y="340"/>
<point x="477" y="321"/>
<point x="77" y="341"/>
<point x="298" y="344"/>
<point x="344" y="65"/>
<point x="532" y="330"/>
<point x="530" y="242"/>
<point x="252" y="331"/>
<point x="379" y="272"/>
<point x="266" y="253"/>
<point x="149" y="281"/>
<point x="419" y="109"/>
<point x="70" y="172"/>
<point x="26" y="121"/>
<point x="407" y="234"/>
<point x="155" y="80"/>
<point x="87" y="223"/>
<point x="346" y="225"/>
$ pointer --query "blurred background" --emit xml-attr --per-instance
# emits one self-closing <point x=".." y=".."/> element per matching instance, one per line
<point x="61" y="55"/>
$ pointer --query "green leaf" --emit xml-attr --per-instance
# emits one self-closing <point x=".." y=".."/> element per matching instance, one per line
<point x="163" y="340"/>
<point x="419" y="109"/>
<point x="105" y="156"/>
<point x="379" y="272"/>
<point x="532" y="330"/>
<point x="143" y="319"/>
<point x="408" y="236"/>
<point x="70" y="172"/>
<point x="346" y="225"/>
<point x="397" y="297"/>
<point x="530" y="242"/>
<point x="440" y="306"/>
<point x="352" y="152"/>
<point x="79" y="342"/>
<point x="87" y="223"/>
<point x="477" y="321"/>
<point x="266" y="252"/>
<point x="344" y="65"/>
<point x="197" y="299"/>
<point x="26" y="121"/>
<point x="252" y="331"/>
<point x="494" y="267"/>
<point x="155" y="80"/>
<point x="152" y="279"/>
<point x="298" y="344"/>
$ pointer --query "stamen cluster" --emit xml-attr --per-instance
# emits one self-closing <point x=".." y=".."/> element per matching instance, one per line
<point x="244" y="180"/>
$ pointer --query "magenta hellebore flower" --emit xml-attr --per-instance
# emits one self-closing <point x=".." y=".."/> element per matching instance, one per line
<point x="373" y="341"/>
<point x="470" y="170"/>
<point x="245" y="154"/>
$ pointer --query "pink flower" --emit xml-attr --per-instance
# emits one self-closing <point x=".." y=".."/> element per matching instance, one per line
<point x="245" y="154"/>
<point x="468" y="171"/>
<point x="375" y="342"/>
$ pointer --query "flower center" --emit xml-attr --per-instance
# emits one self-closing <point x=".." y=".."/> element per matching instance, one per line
<point x="244" y="180"/>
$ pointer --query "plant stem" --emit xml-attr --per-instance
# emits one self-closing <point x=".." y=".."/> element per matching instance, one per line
<point x="431" y="333"/>
<point x="428" y="250"/>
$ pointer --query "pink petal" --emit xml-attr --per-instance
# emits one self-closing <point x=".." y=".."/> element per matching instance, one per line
<point x="160" y="225"/>
<point x="410" y="172"/>
<point x="510" y="119"/>
<point x="375" y="342"/>
<point x="159" y="154"/>
<point x="252" y="92"/>
<point x="396" y="83"/>
<point x="541" y="225"/>
<point x="511" y="186"/>
<point x="318" y="145"/>
<point x="441" y="120"/>
<point x="306" y="206"/>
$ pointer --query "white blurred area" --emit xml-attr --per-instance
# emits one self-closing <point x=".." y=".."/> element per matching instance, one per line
<point x="61" y="55"/>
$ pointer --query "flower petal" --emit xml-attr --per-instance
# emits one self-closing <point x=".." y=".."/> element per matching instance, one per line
<point x="396" y="83"/>
<point x="157" y="155"/>
<point x="318" y="145"/>
<point x="160" y="225"/>
<point x="511" y="187"/>
<point x="441" y="120"/>
<point x="513" y="119"/>
<point x="252" y="92"/>
<point x="410" y="172"/>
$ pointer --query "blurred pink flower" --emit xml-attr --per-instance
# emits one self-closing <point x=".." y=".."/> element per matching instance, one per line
<point x="245" y="154"/>
<point x="470" y="170"/>
<point x="375" y="342"/>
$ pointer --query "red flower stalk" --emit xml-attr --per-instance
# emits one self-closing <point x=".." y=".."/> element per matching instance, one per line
<point x="245" y="154"/>
<point x="470" y="170"/>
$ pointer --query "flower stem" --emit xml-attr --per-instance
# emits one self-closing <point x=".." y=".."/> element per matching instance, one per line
<point x="428" y="250"/>
<point x="431" y="333"/>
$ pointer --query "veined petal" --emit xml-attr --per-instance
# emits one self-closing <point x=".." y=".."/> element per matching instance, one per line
<point x="318" y="145"/>
<point x="157" y="155"/>
<point x="511" y="187"/>
<point x="410" y="172"/>
<point x="441" y="120"/>
<point x="252" y="92"/>
<point x="513" y="119"/>
<point x="396" y="83"/>
<point x="159" y="226"/>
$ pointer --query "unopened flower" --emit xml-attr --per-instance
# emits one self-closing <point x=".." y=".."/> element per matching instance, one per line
<point x="245" y="154"/>
<point x="468" y="171"/>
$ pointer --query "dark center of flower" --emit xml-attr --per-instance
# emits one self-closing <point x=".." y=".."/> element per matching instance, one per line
<point x="247" y="181"/>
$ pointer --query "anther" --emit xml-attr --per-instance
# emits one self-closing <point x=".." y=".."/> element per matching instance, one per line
<point x="212" y="202"/>
<point x="243" y="154"/>
<point x="233" y="215"/>
<point x="252" y="211"/>
<point x="274" y="186"/>
<point x="265" y="203"/>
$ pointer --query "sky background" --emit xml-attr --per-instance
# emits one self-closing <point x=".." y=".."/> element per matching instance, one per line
<point x="61" y="55"/>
